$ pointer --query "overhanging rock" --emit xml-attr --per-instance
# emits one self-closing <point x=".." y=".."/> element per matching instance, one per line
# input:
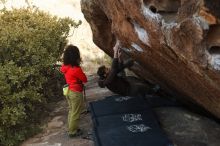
<point x="175" y="43"/>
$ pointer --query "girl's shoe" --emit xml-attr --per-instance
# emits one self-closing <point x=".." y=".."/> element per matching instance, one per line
<point x="78" y="133"/>
<point x="88" y="136"/>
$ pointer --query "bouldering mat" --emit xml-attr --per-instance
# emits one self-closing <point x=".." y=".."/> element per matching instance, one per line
<point x="130" y="129"/>
<point x="117" y="104"/>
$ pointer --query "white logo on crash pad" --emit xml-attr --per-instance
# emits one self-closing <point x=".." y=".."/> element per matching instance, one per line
<point x="138" y="128"/>
<point x="131" y="117"/>
<point x="124" y="98"/>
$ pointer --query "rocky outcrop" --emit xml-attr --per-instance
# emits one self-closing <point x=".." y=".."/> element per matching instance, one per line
<point x="175" y="43"/>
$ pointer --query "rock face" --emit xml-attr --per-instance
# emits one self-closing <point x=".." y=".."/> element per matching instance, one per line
<point x="175" y="43"/>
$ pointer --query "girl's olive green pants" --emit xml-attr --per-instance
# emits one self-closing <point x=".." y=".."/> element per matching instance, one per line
<point x="75" y="102"/>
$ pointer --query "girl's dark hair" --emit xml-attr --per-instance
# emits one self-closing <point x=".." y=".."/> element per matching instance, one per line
<point x="71" y="56"/>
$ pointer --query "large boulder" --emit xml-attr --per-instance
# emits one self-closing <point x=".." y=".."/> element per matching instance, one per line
<point x="175" y="43"/>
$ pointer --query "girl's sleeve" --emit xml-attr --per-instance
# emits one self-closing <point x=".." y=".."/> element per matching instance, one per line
<point x="81" y="75"/>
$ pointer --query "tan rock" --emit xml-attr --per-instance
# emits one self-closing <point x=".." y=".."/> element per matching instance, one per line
<point x="175" y="43"/>
<point x="55" y="123"/>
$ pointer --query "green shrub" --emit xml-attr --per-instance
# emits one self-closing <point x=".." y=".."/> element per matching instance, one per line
<point x="31" y="43"/>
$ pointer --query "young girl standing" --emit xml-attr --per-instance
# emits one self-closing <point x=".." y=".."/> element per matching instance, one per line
<point x="75" y="78"/>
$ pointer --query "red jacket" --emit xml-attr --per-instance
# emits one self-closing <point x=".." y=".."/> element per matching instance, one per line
<point x="74" y="76"/>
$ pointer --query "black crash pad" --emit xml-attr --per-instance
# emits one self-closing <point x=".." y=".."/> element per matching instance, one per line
<point x="126" y="121"/>
<point x="116" y="105"/>
<point x="123" y="137"/>
<point x="146" y="116"/>
<point x="130" y="129"/>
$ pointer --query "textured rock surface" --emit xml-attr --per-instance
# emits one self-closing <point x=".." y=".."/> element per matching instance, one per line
<point x="175" y="43"/>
